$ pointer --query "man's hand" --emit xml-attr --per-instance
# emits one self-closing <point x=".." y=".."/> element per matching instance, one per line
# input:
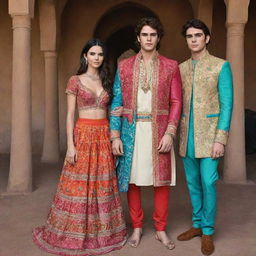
<point x="217" y="150"/>
<point x="165" y="144"/>
<point x="117" y="147"/>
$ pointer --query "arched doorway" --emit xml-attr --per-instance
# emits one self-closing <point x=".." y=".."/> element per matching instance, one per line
<point x="116" y="29"/>
<point x="113" y="22"/>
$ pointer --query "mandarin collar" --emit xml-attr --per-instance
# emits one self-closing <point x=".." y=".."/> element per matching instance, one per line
<point x="154" y="58"/>
<point x="204" y="56"/>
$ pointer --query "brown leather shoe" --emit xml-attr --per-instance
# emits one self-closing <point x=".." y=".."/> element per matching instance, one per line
<point x="189" y="234"/>
<point x="207" y="246"/>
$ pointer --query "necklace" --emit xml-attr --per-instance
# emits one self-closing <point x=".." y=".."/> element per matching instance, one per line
<point x="93" y="77"/>
<point x="146" y="76"/>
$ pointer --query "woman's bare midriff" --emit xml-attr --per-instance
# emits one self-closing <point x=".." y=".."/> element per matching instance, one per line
<point x="93" y="113"/>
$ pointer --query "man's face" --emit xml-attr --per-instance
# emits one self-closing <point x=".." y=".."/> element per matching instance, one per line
<point x="196" y="40"/>
<point x="148" y="38"/>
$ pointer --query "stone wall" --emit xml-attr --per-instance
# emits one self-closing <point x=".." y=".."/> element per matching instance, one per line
<point x="78" y="23"/>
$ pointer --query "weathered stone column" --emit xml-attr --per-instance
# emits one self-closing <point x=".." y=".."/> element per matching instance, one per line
<point x="20" y="176"/>
<point x="51" y="129"/>
<point x="234" y="162"/>
<point x="48" y="38"/>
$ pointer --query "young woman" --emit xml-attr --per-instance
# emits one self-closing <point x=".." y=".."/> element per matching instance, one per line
<point x="86" y="216"/>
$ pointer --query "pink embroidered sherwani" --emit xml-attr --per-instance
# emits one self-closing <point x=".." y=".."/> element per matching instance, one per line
<point x="165" y="114"/>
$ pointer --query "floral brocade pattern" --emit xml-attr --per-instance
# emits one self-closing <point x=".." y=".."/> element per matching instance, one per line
<point x="86" y="98"/>
<point x="86" y="216"/>
<point x="221" y="136"/>
<point x="206" y="104"/>
<point x="166" y="108"/>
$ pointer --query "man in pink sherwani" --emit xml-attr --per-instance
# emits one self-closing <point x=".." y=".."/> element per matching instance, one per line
<point x="148" y="88"/>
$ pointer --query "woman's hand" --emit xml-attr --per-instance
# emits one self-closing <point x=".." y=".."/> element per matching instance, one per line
<point x="165" y="144"/>
<point x="71" y="155"/>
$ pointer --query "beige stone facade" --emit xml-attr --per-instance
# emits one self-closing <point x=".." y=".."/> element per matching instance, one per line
<point x="40" y="45"/>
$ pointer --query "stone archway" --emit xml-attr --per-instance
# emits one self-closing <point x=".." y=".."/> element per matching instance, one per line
<point x="113" y="22"/>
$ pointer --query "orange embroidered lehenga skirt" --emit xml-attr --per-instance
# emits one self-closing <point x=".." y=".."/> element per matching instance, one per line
<point x="86" y="216"/>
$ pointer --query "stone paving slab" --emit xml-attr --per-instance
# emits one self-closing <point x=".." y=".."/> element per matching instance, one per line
<point x="236" y="217"/>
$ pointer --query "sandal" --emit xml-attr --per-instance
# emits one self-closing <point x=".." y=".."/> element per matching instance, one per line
<point x="169" y="245"/>
<point x="135" y="242"/>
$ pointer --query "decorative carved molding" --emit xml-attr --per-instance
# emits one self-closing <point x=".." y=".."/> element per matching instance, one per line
<point x="21" y="7"/>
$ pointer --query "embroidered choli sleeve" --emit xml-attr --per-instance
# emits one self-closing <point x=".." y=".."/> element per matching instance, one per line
<point x="225" y="88"/>
<point x="175" y="103"/>
<point x="115" y="121"/>
<point x="72" y="86"/>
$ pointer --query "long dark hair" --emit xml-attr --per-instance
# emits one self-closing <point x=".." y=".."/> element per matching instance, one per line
<point x="103" y="69"/>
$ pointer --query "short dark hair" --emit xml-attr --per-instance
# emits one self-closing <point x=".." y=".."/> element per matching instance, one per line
<point x="195" y="23"/>
<point x="154" y="23"/>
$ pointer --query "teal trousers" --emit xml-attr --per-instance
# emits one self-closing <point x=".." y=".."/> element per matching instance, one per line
<point x="201" y="176"/>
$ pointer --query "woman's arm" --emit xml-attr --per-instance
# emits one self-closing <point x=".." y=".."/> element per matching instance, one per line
<point x="71" y="155"/>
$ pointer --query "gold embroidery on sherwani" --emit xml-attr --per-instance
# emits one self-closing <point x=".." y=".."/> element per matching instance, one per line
<point x="136" y="73"/>
<point x="187" y="80"/>
<point x="138" y="78"/>
<point x="155" y="159"/>
<point x="205" y="101"/>
<point x="146" y="75"/>
<point x="142" y="172"/>
<point x="171" y="129"/>
<point x="143" y="117"/>
<point x="221" y="137"/>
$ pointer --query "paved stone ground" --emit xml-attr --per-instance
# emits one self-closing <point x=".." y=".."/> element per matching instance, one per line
<point x="236" y="218"/>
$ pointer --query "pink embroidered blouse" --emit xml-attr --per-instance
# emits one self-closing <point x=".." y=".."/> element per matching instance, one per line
<point x="86" y="98"/>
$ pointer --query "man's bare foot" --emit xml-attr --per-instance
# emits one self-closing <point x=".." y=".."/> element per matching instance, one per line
<point x="135" y="238"/>
<point x="164" y="239"/>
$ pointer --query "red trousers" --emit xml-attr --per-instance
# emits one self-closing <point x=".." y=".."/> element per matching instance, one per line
<point x="161" y="202"/>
